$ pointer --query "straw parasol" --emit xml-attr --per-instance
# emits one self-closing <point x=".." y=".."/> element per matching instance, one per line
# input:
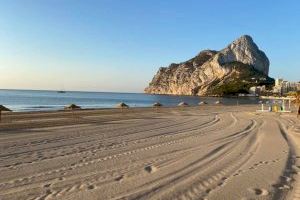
<point x="3" y="109"/>
<point x="157" y="104"/>
<point x="122" y="105"/>
<point x="202" y="103"/>
<point x="72" y="107"/>
<point x="183" y="104"/>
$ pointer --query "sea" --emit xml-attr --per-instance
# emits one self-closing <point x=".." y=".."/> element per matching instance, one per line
<point x="42" y="100"/>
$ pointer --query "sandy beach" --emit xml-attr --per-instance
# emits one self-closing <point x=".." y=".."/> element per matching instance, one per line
<point x="204" y="152"/>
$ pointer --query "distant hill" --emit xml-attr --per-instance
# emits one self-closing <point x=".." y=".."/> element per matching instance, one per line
<point x="232" y="70"/>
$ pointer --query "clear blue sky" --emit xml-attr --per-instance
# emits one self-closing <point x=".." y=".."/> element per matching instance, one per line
<point x="118" y="45"/>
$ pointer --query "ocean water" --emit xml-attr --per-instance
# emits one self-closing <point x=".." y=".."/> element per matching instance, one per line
<point x="37" y="100"/>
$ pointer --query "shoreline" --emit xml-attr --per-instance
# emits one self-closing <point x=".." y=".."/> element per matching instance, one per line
<point x="61" y="108"/>
<point x="45" y="100"/>
<point x="8" y="118"/>
<point x="130" y="108"/>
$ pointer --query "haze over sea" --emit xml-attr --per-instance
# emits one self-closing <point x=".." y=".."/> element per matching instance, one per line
<point x="39" y="100"/>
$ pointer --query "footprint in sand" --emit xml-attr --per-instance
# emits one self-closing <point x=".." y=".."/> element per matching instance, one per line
<point x="91" y="187"/>
<point x="119" y="178"/>
<point x="282" y="186"/>
<point x="150" y="169"/>
<point x="220" y="184"/>
<point x="259" y="191"/>
<point x="47" y="185"/>
<point x="61" y="178"/>
<point x="286" y="178"/>
<point x="208" y="191"/>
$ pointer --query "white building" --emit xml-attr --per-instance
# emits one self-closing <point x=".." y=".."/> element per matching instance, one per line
<point x="257" y="90"/>
<point x="278" y="81"/>
<point x="283" y="87"/>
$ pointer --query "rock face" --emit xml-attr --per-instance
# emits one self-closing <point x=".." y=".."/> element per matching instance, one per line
<point x="244" y="50"/>
<point x="209" y="70"/>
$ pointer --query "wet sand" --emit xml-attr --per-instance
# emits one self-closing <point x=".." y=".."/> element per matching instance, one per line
<point x="208" y="152"/>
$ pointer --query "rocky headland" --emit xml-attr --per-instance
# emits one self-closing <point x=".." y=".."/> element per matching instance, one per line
<point x="231" y="70"/>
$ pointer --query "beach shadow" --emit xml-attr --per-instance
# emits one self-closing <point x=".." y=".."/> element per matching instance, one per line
<point x="20" y="131"/>
<point x="288" y="172"/>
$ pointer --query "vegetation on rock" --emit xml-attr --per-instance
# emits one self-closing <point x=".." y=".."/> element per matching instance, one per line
<point x="240" y="80"/>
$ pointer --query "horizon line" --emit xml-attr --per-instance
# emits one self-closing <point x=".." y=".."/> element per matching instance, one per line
<point x="52" y="90"/>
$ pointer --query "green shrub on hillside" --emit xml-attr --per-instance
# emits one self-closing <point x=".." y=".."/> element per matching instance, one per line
<point x="240" y="80"/>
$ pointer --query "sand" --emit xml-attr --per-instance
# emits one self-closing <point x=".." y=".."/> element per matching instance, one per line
<point x="204" y="152"/>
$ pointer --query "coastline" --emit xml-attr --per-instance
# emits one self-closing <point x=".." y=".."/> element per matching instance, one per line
<point x="10" y="117"/>
<point x="20" y="101"/>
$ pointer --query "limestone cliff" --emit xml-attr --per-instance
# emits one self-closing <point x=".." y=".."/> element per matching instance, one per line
<point x="241" y="62"/>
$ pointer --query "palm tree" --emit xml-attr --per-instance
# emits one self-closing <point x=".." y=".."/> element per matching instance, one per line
<point x="296" y="101"/>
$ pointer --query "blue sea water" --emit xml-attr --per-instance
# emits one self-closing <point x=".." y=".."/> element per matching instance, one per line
<point x="38" y="100"/>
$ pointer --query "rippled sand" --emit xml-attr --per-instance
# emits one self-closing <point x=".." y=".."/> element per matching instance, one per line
<point x="210" y="152"/>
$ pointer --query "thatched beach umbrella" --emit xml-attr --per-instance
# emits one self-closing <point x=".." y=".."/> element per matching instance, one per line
<point x="202" y="103"/>
<point x="122" y="105"/>
<point x="183" y="104"/>
<point x="72" y="107"/>
<point x="3" y="109"/>
<point x="157" y="104"/>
